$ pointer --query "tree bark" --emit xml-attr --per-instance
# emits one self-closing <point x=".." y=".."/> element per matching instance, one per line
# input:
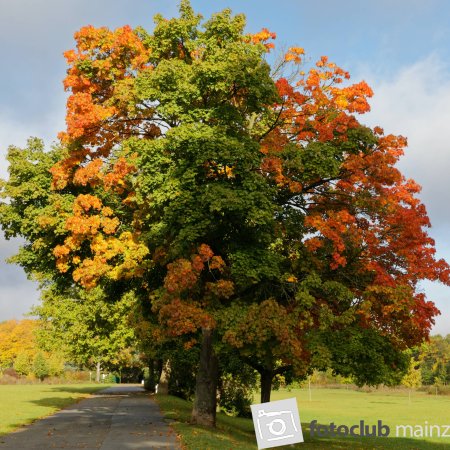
<point x="204" y="410"/>
<point x="266" y="384"/>
<point x="97" y="373"/>
<point x="150" y="384"/>
<point x="163" y="385"/>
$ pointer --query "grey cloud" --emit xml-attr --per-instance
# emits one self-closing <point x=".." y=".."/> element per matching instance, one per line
<point x="35" y="33"/>
<point x="17" y="293"/>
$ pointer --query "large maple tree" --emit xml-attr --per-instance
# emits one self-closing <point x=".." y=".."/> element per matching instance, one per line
<point x="250" y="206"/>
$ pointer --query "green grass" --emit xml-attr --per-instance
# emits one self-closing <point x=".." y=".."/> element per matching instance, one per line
<point x="343" y="407"/>
<point x="23" y="404"/>
<point x="231" y="432"/>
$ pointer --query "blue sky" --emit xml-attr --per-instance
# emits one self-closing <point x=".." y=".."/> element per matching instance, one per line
<point x="400" y="47"/>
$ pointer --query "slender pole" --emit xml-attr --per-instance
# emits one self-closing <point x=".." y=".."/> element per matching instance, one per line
<point x="309" y="387"/>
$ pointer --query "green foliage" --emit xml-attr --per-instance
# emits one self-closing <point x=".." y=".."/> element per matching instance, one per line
<point x="366" y="356"/>
<point x="87" y="326"/>
<point x="112" y="378"/>
<point x="235" y="395"/>
<point x="434" y="359"/>
<point x="40" y="367"/>
<point x="56" y="363"/>
<point x="29" y="198"/>
<point x="23" y="363"/>
<point x="183" y="367"/>
<point x="238" y="382"/>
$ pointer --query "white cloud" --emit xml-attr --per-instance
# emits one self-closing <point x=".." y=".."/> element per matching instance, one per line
<point x="17" y="301"/>
<point x="415" y="103"/>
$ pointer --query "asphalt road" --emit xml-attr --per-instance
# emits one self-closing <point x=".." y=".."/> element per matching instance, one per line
<point x="118" y="418"/>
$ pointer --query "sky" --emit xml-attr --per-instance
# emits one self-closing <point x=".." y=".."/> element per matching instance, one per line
<point x="400" y="47"/>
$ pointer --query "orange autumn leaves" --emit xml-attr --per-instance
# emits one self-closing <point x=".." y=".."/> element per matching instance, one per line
<point x="17" y="337"/>
<point x="101" y="113"/>
<point x="262" y="37"/>
<point x="294" y="54"/>
<point x="101" y="108"/>
<point x="366" y="207"/>
<point x="114" y="256"/>
<point x="98" y="78"/>
<point x="316" y="108"/>
<point x="313" y="108"/>
<point x="184" y="299"/>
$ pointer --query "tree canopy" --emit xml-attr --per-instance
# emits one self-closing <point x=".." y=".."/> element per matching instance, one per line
<point x="16" y="337"/>
<point x="246" y="204"/>
<point x="87" y="327"/>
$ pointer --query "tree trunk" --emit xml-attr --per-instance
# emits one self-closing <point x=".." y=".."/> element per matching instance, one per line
<point x="151" y="382"/>
<point x="163" y="385"/>
<point x="266" y="385"/>
<point x="97" y="373"/>
<point x="204" y="410"/>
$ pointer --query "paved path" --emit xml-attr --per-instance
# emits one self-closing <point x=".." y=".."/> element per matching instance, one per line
<point x="118" y="418"/>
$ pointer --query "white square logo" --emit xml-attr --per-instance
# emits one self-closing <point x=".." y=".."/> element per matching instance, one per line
<point x="277" y="423"/>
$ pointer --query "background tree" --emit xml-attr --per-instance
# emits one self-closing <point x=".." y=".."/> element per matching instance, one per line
<point x="88" y="327"/>
<point x="17" y="338"/>
<point x="434" y="359"/>
<point x="412" y="378"/>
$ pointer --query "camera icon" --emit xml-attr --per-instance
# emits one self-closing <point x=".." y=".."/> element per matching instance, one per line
<point x="277" y="423"/>
<point x="276" y="426"/>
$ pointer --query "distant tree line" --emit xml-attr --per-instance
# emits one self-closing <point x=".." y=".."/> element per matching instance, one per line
<point x="38" y="349"/>
<point x="433" y="359"/>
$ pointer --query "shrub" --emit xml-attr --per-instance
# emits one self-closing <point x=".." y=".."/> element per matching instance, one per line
<point x="24" y="363"/>
<point x="235" y="396"/>
<point x="40" y="366"/>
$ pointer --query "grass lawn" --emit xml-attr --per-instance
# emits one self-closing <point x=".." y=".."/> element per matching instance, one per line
<point x="22" y="404"/>
<point x="343" y="407"/>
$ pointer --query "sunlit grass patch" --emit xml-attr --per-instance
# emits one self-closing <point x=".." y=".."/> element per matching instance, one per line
<point x="23" y="404"/>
